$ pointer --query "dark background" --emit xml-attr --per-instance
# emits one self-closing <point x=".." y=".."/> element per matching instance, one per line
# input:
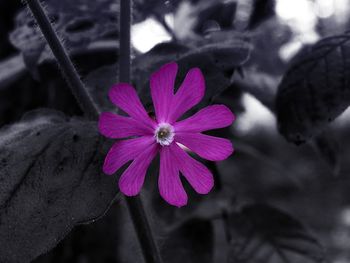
<point x="271" y="195"/>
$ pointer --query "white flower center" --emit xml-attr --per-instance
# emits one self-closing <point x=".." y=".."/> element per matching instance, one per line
<point x="164" y="134"/>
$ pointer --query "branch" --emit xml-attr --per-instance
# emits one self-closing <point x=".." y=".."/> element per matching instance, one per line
<point x="77" y="86"/>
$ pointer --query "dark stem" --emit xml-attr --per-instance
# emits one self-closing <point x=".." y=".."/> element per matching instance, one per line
<point x="64" y="62"/>
<point x="135" y="206"/>
<point x="124" y="41"/>
<point x="137" y="212"/>
<point x="143" y="230"/>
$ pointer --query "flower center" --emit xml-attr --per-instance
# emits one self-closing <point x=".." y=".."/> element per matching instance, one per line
<point x="164" y="134"/>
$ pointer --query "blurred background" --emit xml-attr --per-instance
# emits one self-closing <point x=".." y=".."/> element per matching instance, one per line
<point x="311" y="181"/>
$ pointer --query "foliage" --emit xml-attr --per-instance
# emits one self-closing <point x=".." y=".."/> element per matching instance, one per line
<point x="78" y="22"/>
<point x="48" y="185"/>
<point x="314" y="90"/>
<point x="261" y="233"/>
<point x="217" y="62"/>
<point x="51" y="185"/>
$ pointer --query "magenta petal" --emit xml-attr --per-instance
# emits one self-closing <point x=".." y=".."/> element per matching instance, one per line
<point x="125" y="97"/>
<point x="199" y="176"/>
<point x="162" y="89"/>
<point x="189" y="94"/>
<point x="211" y="117"/>
<point x="170" y="186"/>
<point x="124" y="151"/>
<point x="115" y="126"/>
<point x="208" y="147"/>
<point x="132" y="179"/>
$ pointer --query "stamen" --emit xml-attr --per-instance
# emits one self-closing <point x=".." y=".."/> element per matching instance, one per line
<point x="164" y="134"/>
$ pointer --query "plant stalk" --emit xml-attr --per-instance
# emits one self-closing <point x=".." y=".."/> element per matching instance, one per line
<point x="135" y="206"/>
<point x="124" y="41"/>
<point x="138" y="214"/>
<point x="69" y="72"/>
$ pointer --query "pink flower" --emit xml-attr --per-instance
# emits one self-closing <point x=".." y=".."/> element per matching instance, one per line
<point x="165" y="135"/>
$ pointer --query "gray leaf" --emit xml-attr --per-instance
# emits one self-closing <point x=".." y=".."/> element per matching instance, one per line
<point x="261" y="233"/>
<point x="315" y="90"/>
<point x="50" y="181"/>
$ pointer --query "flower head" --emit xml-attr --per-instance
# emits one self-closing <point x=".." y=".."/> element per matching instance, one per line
<point x="165" y="135"/>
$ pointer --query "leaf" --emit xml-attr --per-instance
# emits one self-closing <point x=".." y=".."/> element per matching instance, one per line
<point x="217" y="62"/>
<point x="50" y="181"/>
<point x="315" y="90"/>
<point x="78" y="23"/>
<point x="261" y="233"/>
<point x="101" y="80"/>
<point x="157" y="56"/>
